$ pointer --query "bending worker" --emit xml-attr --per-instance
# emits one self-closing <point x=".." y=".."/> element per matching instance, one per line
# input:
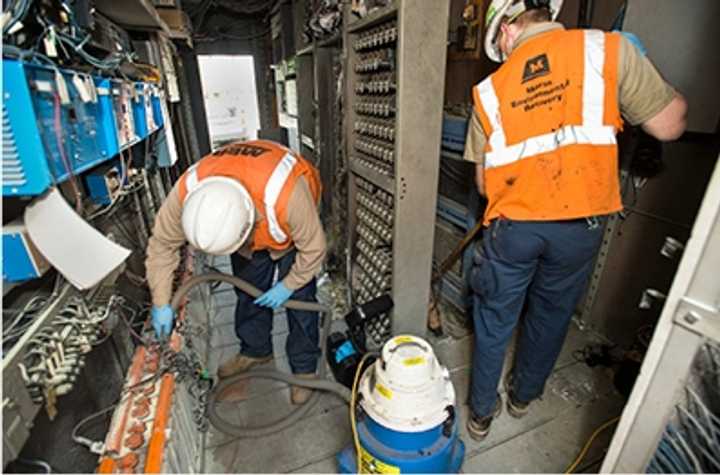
<point x="543" y="137"/>
<point x="257" y="202"/>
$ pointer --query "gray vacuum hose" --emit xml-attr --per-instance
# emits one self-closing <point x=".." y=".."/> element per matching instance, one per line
<point x="321" y="383"/>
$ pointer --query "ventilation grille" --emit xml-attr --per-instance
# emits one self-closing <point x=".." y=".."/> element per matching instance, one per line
<point x="12" y="170"/>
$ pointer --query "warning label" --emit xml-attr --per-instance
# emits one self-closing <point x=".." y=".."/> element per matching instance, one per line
<point x="369" y="464"/>
<point x="541" y="94"/>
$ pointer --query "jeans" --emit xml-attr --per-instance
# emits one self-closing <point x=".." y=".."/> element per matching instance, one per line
<point x="545" y="265"/>
<point x="253" y="324"/>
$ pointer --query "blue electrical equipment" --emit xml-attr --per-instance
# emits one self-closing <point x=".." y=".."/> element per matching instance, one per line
<point x="21" y="260"/>
<point x="454" y="132"/>
<point x="24" y="172"/>
<point x="58" y="123"/>
<point x="102" y="182"/>
<point x="140" y="114"/>
<point x="158" y="115"/>
<point x="147" y="110"/>
<point x="105" y="114"/>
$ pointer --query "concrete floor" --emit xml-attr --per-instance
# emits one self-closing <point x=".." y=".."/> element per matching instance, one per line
<point x="577" y="399"/>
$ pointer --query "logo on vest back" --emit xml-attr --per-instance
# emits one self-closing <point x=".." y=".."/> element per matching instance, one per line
<point x="241" y="149"/>
<point x="536" y="67"/>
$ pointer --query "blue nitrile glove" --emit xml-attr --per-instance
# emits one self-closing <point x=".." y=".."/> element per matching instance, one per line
<point x="162" y="320"/>
<point x="274" y="297"/>
<point x="633" y="38"/>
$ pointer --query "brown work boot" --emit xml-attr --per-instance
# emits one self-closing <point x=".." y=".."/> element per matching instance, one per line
<point x="239" y="364"/>
<point x="298" y="394"/>
<point x="516" y="408"/>
<point x="479" y="427"/>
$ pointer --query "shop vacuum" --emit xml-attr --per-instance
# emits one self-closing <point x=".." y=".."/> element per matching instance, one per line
<point x="405" y="410"/>
<point x="404" y="404"/>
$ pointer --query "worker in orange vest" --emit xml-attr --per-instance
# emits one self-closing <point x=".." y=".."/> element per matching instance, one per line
<point x="257" y="202"/>
<point x="543" y="138"/>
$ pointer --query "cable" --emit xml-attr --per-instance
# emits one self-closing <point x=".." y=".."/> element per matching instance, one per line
<point x="617" y="23"/>
<point x="132" y="331"/>
<point x="589" y="442"/>
<point x="353" y="402"/>
<point x="37" y="463"/>
<point x="112" y="61"/>
<point x="32" y="306"/>
<point x="112" y="206"/>
<point x="19" y="16"/>
<point x="218" y="420"/>
<point x="23" y="54"/>
<point x="83" y="440"/>
<point x="77" y="44"/>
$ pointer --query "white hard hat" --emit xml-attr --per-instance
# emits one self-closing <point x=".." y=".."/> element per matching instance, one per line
<point x="500" y="9"/>
<point x="218" y="215"/>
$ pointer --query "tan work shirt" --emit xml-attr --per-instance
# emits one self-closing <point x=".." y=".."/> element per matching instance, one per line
<point x="642" y="94"/>
<point x="168" y="237"/>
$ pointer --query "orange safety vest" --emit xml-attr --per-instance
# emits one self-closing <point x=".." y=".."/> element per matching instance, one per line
<point x="268" y="171"/>
<point x="551" y="115"/>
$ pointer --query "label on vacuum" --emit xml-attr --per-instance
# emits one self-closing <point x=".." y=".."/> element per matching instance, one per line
<point x="414" y="361"/>
<point x="384" y="391"/>
<point x="403" y="339"/>
<point x="372" y="465"/>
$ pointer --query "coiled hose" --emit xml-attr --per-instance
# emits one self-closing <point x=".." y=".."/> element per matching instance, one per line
<point x="321" y="383"/>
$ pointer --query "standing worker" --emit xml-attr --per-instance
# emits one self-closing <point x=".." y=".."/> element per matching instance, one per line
<point x="257" y="202"/>
<point x="543" y="138"/>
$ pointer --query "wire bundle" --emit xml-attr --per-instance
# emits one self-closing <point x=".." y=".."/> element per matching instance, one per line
<point x="24" y="318"/>
<point x="16" y="13"/>
<point x="691" y="442"/>
<point x="71" y="38"/>
<point x="55" y="355"/>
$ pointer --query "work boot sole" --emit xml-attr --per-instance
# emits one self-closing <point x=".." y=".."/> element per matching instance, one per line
<point x="478" y="434"/>
<point x="517" y="412"/>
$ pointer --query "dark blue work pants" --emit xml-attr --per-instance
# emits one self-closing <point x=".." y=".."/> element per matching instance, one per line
<point x="549" y="264"/>
<point x="253" y="324"/>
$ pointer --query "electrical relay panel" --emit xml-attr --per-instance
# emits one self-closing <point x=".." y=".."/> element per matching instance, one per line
<point x="143" y="110"/>
<point x="393" y="117"/>
<point x="122" y="93"/>
<point x="374" y="149"/>
<point x="65" y="105"/>
<point x="58" y="123"/>
<point x="105" y="113"/>
<point x="50" y="127"/>
<point x="157" y="106"/>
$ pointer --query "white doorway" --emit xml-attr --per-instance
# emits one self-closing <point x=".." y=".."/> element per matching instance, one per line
<point x="230" y="95"/>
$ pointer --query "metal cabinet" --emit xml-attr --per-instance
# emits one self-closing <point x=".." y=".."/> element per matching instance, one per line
<point x="630" y="264"/>
<point x="690" y="320"/>
<point x="393" y="118"/>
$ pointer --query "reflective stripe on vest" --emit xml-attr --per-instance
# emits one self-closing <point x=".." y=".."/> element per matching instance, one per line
<point x="272" y="192"/>
<point x="273" y="188"/>
<point x="592" y="131"/>
<point x="191" y="179"/>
